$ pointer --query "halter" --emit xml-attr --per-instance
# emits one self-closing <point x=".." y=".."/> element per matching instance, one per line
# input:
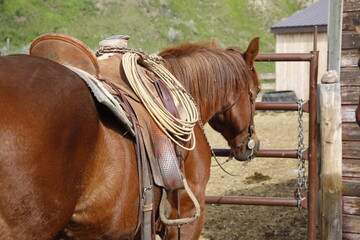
<point x="229" y="107"/>
<point x="251" y="130"/>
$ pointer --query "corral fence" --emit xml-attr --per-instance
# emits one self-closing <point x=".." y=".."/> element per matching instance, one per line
<point x="309" y="202"/>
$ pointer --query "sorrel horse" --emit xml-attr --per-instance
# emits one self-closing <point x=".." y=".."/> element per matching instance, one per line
<point x="68" y="169"/>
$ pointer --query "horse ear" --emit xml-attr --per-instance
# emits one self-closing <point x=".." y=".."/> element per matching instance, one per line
<point x="251" y="52"/>
<point x="213" y="43"/>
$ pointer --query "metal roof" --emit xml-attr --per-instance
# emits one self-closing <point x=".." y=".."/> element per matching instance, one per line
<point x="305" y="19"/>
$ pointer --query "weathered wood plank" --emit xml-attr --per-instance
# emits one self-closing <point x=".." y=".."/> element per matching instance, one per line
<point x="351" y="205"/>
<point x="350" y="132"/>
<point x="350" y="76"/>
<point x="348" y="113"/>
<point x="351" y="223"/>
<point x="350" y="95"/>
<point x="350" y="39"/>
<point x="351" y="187"/>
<point x="351" y="5"/>
<point x="350" y="21"/>
<point x="350" y="58"/>
<point x="351" y="149"/>
<point x="350" y="236"/>
<point x="351" y="168"/>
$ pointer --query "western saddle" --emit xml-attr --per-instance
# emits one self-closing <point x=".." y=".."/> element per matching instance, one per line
<point x="152" y="144"/>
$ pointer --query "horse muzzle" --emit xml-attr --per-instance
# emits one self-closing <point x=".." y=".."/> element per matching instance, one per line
<point x="247" y="150"/>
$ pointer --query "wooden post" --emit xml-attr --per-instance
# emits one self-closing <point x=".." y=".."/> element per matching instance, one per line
<point x="330" y="130"/>
<point x="331" y="157"/>
<point x="334" y="30"/>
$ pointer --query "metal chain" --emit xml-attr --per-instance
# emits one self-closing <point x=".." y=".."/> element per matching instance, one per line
<point x="302" y="184"/>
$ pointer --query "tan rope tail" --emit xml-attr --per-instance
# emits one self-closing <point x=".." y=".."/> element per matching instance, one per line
<point x="179" y="221"/>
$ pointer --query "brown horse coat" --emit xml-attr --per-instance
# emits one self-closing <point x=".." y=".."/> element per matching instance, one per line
<point x="68" y="169"/>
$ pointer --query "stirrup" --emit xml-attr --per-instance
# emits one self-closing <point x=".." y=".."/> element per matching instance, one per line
<point x="180" y="221"/>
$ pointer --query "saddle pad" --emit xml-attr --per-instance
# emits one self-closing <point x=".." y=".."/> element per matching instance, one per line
<point x="65" y="50"/>
<point x="104" y="97"/>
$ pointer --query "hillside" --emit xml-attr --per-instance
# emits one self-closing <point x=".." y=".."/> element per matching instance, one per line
<point x="151" y="24"/>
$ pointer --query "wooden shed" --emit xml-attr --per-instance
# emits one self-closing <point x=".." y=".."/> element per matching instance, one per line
<point x="295" y="34"/>
<point x="350" y="93"/>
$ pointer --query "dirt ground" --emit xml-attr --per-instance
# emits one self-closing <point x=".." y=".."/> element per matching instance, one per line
<point x="260" y="177"/>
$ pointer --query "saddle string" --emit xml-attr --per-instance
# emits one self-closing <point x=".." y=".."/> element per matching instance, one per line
<point x="175" y="128"/>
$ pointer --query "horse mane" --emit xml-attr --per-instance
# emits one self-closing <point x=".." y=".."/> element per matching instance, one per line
<point x="208" y="71"/>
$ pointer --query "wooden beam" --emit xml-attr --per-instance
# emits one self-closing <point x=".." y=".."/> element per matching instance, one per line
<point x="331" y="159"/>
<point x="351" y="224"/>
<point x="351" y="205"/>
<point x="351" y="40"/>
<point x="348" y="113"/>
<point x="351" y="168"/>
<point x="351" y="187"/>
<point x="351" y="149"/>
<point x="350" y="95"/>
<point x="350" y="77"/>
<point x="350" y="58"/>
<point x="351" y="5"/>
<point x="351" y="236"/>
<point x="351" y="132"/>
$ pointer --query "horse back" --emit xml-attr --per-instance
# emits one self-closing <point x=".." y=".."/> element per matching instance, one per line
<point x="48" y="123"/>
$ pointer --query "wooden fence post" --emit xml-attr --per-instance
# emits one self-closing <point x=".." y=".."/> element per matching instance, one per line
<point x="331" y="157"/>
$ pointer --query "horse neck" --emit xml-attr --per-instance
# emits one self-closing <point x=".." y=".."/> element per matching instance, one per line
<point x="206" y="91"/>
<point x="208" y="102"/>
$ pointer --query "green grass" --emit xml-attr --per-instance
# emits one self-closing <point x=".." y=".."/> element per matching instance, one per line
<point x="148" y="22"/>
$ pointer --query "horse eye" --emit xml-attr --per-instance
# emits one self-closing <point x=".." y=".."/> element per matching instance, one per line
<point x="258" y="91"/>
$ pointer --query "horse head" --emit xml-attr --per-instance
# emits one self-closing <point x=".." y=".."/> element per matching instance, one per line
<point x="235" y="120"/>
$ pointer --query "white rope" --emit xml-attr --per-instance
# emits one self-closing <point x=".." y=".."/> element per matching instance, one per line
<point x="173" y="222"/>
<point x="176" y="129"/>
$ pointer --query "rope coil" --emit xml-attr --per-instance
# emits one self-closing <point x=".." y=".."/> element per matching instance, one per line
<point x="177" y="129"/>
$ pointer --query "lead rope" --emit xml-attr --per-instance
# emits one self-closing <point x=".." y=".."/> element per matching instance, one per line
<point x="302" y="184"/>
<point x="217" y="160"/>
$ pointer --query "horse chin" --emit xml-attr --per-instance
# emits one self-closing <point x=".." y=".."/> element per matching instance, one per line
<point x="247" y="155"/>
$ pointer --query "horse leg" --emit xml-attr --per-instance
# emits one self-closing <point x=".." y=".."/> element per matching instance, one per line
<point x="197" y="172"/>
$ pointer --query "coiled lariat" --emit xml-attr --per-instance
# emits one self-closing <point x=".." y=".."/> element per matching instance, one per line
<point x="179" y="130"/>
